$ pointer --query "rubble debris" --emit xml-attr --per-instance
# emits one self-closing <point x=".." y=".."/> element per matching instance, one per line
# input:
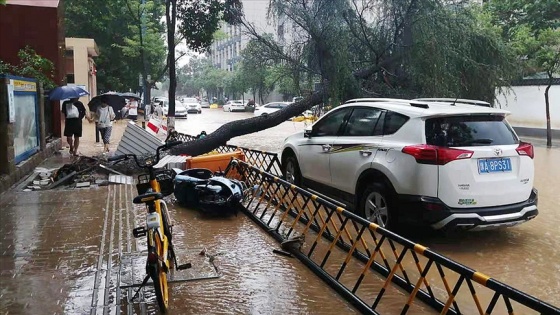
<point x="110" y="170"/>
<point x="62" y="180"/>
<point x="283" y="253"/>
<point x="121" y="179"/>
<point x="83" y="184"/>
<point x="293" y="243"/>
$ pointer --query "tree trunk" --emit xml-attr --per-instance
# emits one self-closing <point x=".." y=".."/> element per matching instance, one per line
<point x="548" y="127"/>
<point x="246" y="126"/>
<point x="171" y="16"/>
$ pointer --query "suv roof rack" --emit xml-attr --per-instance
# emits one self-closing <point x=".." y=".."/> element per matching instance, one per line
<point x="396" y="100"/>
<point x="400" y="100"/>
<point x="454" y="101"/>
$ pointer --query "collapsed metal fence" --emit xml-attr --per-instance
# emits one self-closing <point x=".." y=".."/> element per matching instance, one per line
<point x="362" y="261"/>
<point x="376" y="270"/>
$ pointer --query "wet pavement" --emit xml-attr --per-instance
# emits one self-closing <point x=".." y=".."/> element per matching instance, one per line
<point x="72" y="252"/>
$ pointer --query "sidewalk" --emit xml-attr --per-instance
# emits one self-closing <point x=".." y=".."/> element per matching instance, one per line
<point x="89" y="147"/>
<point x="71" y="251"/>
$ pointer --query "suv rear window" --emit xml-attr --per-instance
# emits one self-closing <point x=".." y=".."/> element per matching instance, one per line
<point x="465" y="131"/>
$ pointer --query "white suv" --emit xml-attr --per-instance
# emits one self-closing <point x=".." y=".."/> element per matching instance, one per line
<point x="447" y="163"/>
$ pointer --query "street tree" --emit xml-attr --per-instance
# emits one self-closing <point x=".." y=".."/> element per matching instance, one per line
<point x="197" y="21"/>
<point x="533" y="29"/>
<point x="116" y="27"/>
<point x="354" y="48"/>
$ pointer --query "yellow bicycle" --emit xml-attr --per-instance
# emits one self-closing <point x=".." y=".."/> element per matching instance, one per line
<point x="161" y="255"/>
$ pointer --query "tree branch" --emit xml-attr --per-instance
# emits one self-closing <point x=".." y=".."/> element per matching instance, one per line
<point x="246" y="126"/>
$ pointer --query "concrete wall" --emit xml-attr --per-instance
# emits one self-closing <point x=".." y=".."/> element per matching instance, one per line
<point x="83" y="50"/>
<point x="527" y="106"/>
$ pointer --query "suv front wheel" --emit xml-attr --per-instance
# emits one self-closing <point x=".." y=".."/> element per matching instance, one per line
<point x="291" y="171"/>
<point x="376" y="205"/>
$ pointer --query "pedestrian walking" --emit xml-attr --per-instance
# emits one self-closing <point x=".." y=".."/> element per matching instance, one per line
<point x="74" y="111"/>
<point x="158" y="110"/>
<point x="132" y="109"/>
<point x="104" y="117"/>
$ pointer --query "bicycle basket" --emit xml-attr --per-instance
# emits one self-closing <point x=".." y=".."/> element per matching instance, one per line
<point x="143" y="184"/>
<point x="165" y="179"/>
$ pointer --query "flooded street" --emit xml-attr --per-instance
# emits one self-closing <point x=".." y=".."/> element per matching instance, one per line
<point x="254" y="280"/>
<point x="72" y="251"/>
<point x="526" y="257"/>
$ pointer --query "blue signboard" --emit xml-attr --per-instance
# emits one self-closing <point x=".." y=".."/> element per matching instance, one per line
<point x="24" y="114"/>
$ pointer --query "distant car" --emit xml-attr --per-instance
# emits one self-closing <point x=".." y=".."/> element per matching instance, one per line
<point x="204" y="104"/>
<point x="192" y="105"/>
<point x="234" y="106"/>
<point x="180" y="110"/>
<point x="270" y="108"/>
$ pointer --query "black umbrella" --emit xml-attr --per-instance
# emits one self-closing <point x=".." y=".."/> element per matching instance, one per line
<point x="130" y="95"/>
<point x="114" y="100"/>
<point x="64" y="92"/>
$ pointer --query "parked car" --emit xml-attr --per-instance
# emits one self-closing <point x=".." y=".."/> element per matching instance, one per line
<point x="180" y="110"/>
<point x="192" y="105"/>
<point x="270" y="108"/>
<point x="446" y="163"/>
<point x="234" y="106"/>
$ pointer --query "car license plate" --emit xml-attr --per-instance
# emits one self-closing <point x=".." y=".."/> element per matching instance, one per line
<point x="494" y="165"/>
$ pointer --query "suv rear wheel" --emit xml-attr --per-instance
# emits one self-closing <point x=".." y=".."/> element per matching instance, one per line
<point x="291" y="171"/>
<point x="376" y="205"/>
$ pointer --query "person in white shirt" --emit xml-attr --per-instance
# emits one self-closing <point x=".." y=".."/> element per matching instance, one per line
<point x="158" y="110"/>
<point x="104" y="116"/>
<point x="74" y="111"/>
<point x="132" y="109"/>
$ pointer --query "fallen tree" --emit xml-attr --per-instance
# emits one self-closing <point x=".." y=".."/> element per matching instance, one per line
<point x="247" y="126"/>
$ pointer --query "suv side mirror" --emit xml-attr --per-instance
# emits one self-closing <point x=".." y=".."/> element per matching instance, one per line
<point x="307" y="133"/>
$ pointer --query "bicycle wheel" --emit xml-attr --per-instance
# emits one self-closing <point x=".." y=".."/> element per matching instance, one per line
<point x="159" y="277"/>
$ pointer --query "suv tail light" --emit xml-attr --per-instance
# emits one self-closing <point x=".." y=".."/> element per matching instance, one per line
<point x="525" y="148"/>
<point x="430" y="154"/>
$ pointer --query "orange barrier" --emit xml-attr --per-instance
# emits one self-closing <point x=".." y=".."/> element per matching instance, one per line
<point x="214" y="162"/>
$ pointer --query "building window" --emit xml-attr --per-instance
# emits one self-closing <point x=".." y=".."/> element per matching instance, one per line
<point x="69" y="53"/>
<point x="70" y="78"/>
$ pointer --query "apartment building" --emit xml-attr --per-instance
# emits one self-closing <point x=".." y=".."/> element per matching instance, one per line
<point x="225" y="53"/>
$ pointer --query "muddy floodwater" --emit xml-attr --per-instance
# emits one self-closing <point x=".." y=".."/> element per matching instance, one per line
<point x="526" y="256"/>
<point x="253" y="279"/>
<point x="72" y="252"/>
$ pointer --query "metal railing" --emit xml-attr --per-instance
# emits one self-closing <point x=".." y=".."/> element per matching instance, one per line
<point x="375" y="269"/>
<point x="268" y="162"/>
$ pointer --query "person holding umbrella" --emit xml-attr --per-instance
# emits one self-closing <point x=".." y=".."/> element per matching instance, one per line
<point x="104" y="116"/>
<point x="74" y="111"/>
